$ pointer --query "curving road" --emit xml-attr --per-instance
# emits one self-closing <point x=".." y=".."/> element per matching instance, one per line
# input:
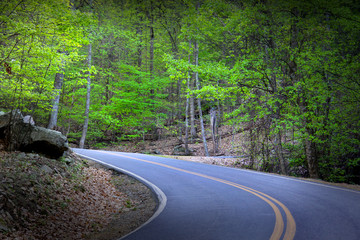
<point x="206" y="202"/>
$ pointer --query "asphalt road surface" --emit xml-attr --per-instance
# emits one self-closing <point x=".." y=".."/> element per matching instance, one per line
<point x="206" y="202"/>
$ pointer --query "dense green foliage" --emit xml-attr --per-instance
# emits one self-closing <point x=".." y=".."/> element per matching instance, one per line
<point x="283" y="73"/>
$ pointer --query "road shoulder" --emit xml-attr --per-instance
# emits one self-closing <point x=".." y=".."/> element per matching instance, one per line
<point x="139" y="208"/>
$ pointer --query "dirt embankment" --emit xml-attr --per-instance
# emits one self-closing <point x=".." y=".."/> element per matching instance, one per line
<point x="42" y="198"/>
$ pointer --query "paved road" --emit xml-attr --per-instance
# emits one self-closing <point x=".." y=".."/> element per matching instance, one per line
<point x="206" y="202"/>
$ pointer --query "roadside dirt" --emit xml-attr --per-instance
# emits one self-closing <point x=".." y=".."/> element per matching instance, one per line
<point x="43" y="198"/>
<point x="139" y="207"/>
<point x="230" y="145"/>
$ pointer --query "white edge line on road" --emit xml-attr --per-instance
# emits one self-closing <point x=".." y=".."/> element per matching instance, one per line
<point x="160" y="195"/>
<point x="302" y="181"/>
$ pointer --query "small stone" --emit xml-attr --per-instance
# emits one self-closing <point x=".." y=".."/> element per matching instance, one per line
<point x="29" y="119"/>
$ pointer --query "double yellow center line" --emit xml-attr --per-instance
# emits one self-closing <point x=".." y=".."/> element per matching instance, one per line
<point x="274" y="203"/>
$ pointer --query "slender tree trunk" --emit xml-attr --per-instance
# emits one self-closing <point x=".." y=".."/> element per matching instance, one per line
<point x="151" y="62"/>
<point x="87" y="106"/>
<point x="252" y="148"/>
<point x="310" y="150"/>
<point x="196" y="54"/>
<point x="187" y="108"/>
<point x="187" y="111"/>
<point x="88" y="90"/>
<point x="219" y="115"/>
<point x="310" y="146"/>
<point x="179" y="112"/>
<point x="152" y="38"/>
<point x="59" y="79"/>
<point x="193" y="133"/>
<point x="279" y="151"/>
<point x="213" y="124"/>
<point x="186" y="140"/>
<point x="139" y="48"/>
<point x="265" y="150"/>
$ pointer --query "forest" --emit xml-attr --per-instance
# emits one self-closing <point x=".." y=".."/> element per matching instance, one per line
<point x="284" y="73"/>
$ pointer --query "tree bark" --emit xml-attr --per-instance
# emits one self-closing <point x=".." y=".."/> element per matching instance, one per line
<point x="187" y="109"/>
<point x="87" y="106"/>
<point x="186" y="140"/>
<point x="196" y="54"/>
<point x="139" y="48"/>
<point x="88" y="90"/>
<point x="252" y="147"/>
<point x="213" y="124"/>
<point x="152" y="38"/>
<point x="193" y="133"/>
<point x="310" y="150"/>
<point x="279" y="151"/>
<point x="59" y="79"/>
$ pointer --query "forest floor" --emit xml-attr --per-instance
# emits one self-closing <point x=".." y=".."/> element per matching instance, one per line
<point x="230" y="144"/>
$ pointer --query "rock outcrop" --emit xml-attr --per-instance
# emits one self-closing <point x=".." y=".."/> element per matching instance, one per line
<point x="20" y="133"/>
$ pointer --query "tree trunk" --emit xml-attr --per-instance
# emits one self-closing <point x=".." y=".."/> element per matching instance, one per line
<point x="193" y="133"/>
<point x="202" y="128"/>
<point x="279" y="151"/>
<point x="187" y="108"/>
<point x="310" y="153"/>
<point x="59" y="78"/>
<point x="196" y="54"/>
<point x="213" y="124"/>
<point x="87" y="107"/>
<point x="151" y="51"/>
<point x="139" y="48"/>
<point x="310" y="150"/>
<point x="186" y="140"/>
<point x="252" y="147"/>
<point x="219" y="113"/>
<point x="152" y="38"/>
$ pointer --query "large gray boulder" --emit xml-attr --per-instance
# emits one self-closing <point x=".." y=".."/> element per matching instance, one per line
<point x="22" y="134"/>
<point x="49" y="142"/>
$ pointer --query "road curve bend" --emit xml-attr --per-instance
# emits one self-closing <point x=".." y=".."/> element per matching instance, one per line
<point x="200" y="201"/>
